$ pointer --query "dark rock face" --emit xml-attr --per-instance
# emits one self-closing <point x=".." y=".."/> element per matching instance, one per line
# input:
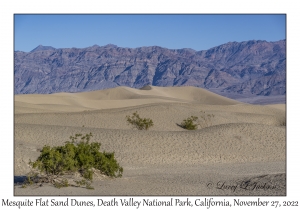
<point x="240" y="68"/>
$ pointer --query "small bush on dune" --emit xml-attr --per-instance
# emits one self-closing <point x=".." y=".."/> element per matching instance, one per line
<point x="81" y="157"/>
<point x="192" y="122"/>
<point x="140" y="123"/>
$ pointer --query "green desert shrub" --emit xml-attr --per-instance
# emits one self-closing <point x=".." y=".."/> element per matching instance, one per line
<point x="75" y="156"/>
<point x="140" y="123"/>
<point x="192" y="122"/>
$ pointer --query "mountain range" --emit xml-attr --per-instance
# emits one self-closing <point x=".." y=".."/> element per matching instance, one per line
<point x="235" y="69"/>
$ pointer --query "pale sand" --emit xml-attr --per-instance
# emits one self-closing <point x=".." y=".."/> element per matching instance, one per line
<point x="245" y="142"/>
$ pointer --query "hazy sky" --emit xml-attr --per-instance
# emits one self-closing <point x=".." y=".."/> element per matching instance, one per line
<point x="199" y="32"/>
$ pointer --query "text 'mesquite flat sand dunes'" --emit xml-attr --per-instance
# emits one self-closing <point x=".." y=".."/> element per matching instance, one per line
<point x="244" y="141"/>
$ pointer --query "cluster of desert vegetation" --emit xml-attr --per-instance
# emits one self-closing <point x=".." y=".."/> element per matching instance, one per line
<point x="77" y="156"/>
<point x="190" y="123"/>
<point x="85" y="158"/>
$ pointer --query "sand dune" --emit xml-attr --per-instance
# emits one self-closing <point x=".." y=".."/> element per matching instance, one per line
<point x="278" y="106"/>
<point x="119" y="97"/>
<point x="239" y="137"/>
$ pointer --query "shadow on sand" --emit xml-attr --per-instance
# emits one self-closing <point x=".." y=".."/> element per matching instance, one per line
<point x="18" y="180"/>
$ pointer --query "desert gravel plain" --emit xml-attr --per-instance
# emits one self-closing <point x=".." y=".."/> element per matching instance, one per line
<point x="242" y="152"/>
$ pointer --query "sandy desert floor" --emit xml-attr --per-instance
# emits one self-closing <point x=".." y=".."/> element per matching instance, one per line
<point x="243" y="152"/>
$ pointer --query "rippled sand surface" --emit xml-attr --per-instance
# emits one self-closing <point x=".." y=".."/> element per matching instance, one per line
<point x="243" y="143"/>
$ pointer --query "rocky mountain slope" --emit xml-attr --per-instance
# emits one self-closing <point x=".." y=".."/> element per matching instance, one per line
<point x="250" y="68"/>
